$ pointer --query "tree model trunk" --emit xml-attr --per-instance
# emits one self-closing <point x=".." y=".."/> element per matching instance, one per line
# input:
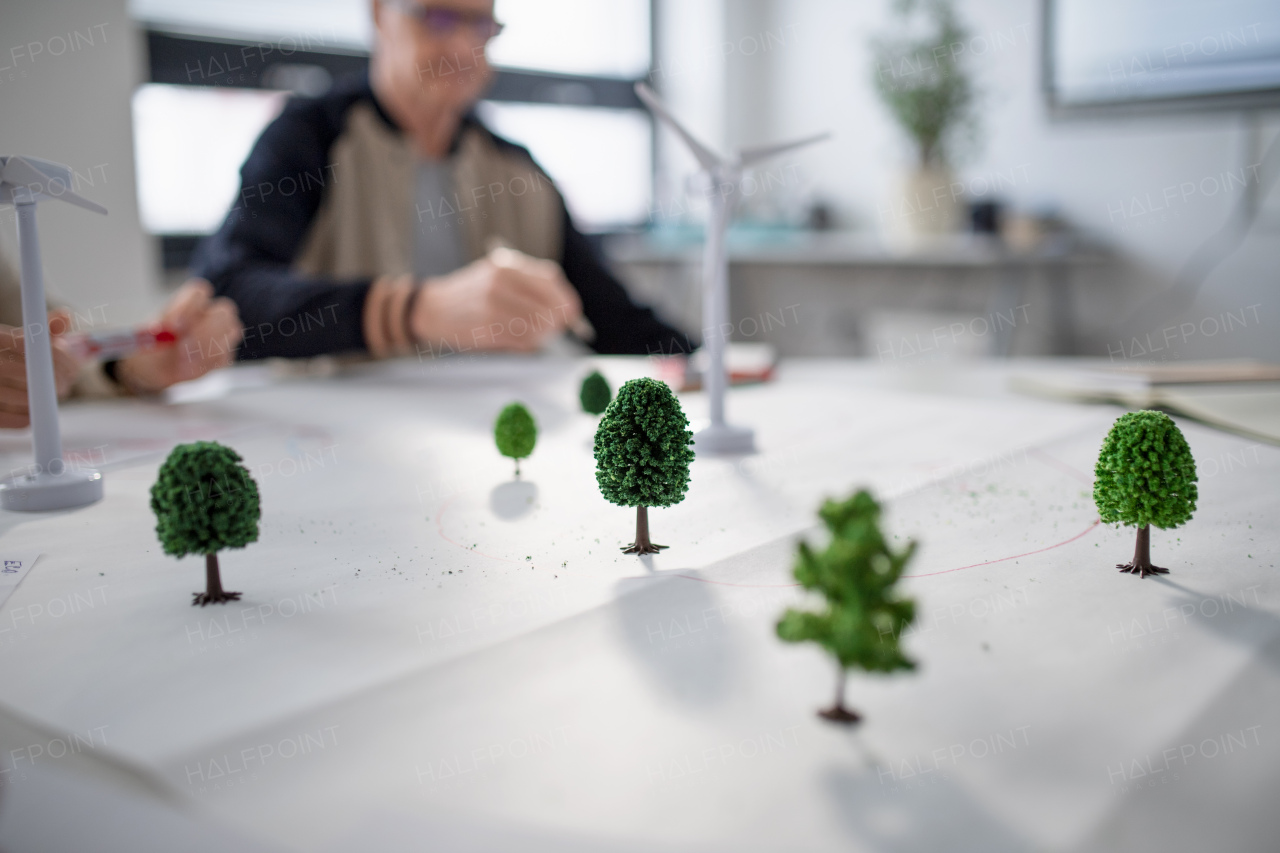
<point x="838" y="713"/>
<point x="214" y="593"/>
<point x="642" y="545"/>
<point x="517" y="469"/>
<point x="1141" y="565"/>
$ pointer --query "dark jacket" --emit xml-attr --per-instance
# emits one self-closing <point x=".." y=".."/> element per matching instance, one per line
<point x="305" y="187"/>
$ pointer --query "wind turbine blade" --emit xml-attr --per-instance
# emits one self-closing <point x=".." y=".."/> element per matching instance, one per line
<point x="706" y="158"/>
<point x="759" y="153"/>
<point x="37" y="176"/>
<point x="80" y="201"/>
<point x="44" y="180"/>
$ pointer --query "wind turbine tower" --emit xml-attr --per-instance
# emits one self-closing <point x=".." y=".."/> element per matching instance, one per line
<point x="24" y="181"/>
<point x="725" y="176"/>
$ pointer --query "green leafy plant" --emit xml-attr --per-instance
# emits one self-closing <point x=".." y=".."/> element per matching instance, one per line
<point x="864" y="615"/>
<point x="642" y="453"/>
<point x="595" y="394"/>
<point x="205" y="501"/>
<point x="921" y="78"/>
<point x="515" y="433"/>
<point x="1145" y="476"/>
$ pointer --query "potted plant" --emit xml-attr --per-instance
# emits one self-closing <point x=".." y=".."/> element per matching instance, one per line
<point x="920" y="76"/>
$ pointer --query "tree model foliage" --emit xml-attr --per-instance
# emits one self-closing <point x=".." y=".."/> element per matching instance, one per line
<point x="1145" y="476"/>
<point x="595" y="394"/>
<point x="856" y="574"/>
<point x="920" y="77"/>
<point x="642" y="453"/>
<point x="204" y="501"/>
<point x="515" y="433"/>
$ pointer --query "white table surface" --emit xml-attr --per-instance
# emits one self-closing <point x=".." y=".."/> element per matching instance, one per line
<point x="430" y="656"/>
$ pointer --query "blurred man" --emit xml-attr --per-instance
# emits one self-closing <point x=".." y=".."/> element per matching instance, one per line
<point x="206" y="327"/>
<point x="384" y="217"/>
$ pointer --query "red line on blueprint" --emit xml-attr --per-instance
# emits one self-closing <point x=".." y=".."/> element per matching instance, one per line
<point x="1061" y="466"/>
<point x="1039" y="454"/>
<point x="1079" y="535"/>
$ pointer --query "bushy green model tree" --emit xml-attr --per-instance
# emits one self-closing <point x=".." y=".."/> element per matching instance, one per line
<point x="204" y="501"/>
<point x="642" y="453"/>
<point x="595" y="394"/>
<point x="515" y="433"/>
<point x="1145" y="476"/>
<point x="864" y="615"/>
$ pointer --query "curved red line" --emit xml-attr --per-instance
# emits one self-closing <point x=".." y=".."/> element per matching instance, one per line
<point x="1044" y="457"/>
<point x="1070" y="470"/>
<point x="1079" y="535"/>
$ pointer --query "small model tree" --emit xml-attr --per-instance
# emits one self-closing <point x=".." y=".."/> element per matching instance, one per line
<point x="595" y="394"/>
<point x="1145" y="475"/>
<point x="204" y="501"/>
<point x="856" y="574"/>
<point x="642" y="453"/>
<point x="515" y="433"/>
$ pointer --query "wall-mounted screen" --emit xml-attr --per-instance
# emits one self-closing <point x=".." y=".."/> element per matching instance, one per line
<point x="1162" y="53"/>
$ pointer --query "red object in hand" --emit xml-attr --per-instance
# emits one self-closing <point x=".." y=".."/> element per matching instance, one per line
<point x="109" y="346"/>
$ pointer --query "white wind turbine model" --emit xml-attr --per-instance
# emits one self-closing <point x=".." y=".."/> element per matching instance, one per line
<point x="725" y="176"/>
<point x="23" y="182"/>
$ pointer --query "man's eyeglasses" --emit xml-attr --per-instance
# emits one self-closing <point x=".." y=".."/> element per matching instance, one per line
<point x="444" y="22"/>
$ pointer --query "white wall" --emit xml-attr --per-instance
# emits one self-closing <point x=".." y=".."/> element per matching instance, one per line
<point x="809" y="68"/>
<point x="67" y="70"/>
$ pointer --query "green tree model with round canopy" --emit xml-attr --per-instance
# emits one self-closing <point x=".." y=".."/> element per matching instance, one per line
<point x="205" y="501"/>
<point x="642" y="453"/>
<point x="595" y="394"/>
<point x="1145" y="476"/>
<point x="864" y="615"/>
<point x="515" y="433"/>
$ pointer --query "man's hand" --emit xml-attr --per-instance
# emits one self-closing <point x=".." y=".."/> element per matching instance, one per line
<point x="14" y="413"/>
<point x="208" y="332"/>
<point x="505" y="301"/>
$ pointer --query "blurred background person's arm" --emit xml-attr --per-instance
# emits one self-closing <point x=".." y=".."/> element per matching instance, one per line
<point x="207" y="330"/>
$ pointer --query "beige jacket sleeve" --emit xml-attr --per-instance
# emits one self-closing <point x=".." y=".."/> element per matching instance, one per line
<point x="92" y="381"/>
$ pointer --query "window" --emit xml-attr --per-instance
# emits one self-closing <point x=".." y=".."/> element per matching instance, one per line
<point x="338" y="23"/>
<point x="600" y="158"/>
<point x="598" y="38"/>
<point x="189" y="143"/>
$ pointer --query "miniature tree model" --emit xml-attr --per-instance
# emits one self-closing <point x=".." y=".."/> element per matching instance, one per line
<point x="1145" y="475"/>
<point x="204" y="501"/>
<point x="642" y="453"/>
<point x="856" y="574"/>
<point x="515" y="433"/>
<point x="595" y="394"/>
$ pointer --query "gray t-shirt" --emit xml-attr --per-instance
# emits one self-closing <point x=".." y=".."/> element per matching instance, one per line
<point x="437" y="229"/>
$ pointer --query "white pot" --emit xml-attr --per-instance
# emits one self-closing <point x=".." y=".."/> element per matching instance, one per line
<point x="927" y="205"/>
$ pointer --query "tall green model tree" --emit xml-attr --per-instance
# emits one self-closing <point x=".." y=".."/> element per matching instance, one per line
<point x="515" y="433"/>
<point x="642" y="453"/>
<point x="1145" y="476"/>
<point x="856" y="574"/>
<point x="204" y="501"/>
<point x="595" y="394"/>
